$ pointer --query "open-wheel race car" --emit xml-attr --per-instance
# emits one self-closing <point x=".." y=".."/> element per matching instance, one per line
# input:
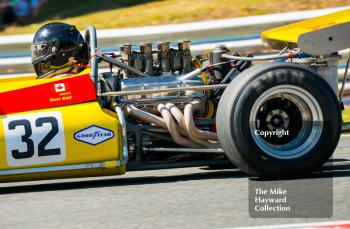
<point x="158" y="107"/>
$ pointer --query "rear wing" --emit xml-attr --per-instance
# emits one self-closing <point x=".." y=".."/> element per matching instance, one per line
<point x="318" y="36"/>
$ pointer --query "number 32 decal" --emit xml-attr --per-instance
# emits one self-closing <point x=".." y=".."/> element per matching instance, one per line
<point x="34" y="139"/>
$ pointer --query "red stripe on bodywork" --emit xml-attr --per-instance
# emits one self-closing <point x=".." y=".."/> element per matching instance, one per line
<point x="72" y="90"/>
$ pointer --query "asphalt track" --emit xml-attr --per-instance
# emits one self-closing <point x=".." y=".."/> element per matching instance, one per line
<point x="174" y="198"/>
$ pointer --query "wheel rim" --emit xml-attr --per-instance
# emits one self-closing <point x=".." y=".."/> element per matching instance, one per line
<point x="290" y="109"/>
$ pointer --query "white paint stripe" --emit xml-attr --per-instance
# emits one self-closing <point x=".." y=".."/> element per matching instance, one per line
<point x="190" y="27"/>
<point x="14" y="61"/>
<point x="295" y="226"/>
<point x="15" y="75"/>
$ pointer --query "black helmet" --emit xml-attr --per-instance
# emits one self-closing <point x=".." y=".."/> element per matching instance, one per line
<point x="54" y="45"/>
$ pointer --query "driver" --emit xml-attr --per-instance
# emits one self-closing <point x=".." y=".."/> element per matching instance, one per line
<point x="58" y="50"/>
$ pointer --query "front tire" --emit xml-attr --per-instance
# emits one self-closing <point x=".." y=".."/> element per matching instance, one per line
<point x="279" y="98"/>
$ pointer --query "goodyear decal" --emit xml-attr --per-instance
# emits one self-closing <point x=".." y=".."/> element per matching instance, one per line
<point x="93" y="135"/>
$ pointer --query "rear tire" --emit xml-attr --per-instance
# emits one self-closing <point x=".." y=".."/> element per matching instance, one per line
<point x="274" y="97"/>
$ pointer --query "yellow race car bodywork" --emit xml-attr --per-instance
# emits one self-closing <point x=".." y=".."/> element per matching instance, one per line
<point x="56" y="128"/>
<point x="78" y="139"/>
<point x="288" y="35"/>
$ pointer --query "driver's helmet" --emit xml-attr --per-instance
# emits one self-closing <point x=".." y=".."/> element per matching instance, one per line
<point x="58" y="48"/>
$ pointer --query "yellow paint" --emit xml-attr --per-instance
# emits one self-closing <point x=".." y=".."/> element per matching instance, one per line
<point x="110" y="164"/>
<point x="346" y="114"/>
<point x="17" y="78"/>
<point x="65" y="174"/>
<point x="288" y="35"/>
<point x="76" y="118"/>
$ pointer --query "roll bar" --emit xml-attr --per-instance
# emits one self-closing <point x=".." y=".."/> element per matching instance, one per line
<point x="91" y="38"/>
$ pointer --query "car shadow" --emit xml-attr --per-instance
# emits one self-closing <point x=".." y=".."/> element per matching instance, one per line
<point x="120" y="181"/>
<point x="330" y="170"/>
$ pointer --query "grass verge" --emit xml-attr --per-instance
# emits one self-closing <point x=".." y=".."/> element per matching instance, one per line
<point x="127" y="13"/>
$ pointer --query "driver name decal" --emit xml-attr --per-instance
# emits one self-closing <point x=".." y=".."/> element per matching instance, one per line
<point x="93" y="135"/>
<point x="67" y="91"/>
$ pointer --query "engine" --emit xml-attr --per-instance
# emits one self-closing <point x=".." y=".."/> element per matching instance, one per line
<point x="165" y="60"/>
<point x="163" y="90"/>
<point x="164" y="66"/>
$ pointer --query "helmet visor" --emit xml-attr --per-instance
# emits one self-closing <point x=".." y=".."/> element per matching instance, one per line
<point x="41" y="52"/>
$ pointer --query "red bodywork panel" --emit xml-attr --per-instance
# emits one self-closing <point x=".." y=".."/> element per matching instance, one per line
<point x="67" y="91"/>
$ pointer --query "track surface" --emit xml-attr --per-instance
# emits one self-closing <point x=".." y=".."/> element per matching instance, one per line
<point x="176" y="198"/>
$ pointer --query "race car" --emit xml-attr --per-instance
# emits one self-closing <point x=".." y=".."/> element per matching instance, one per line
<point x="155" y="107"/>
